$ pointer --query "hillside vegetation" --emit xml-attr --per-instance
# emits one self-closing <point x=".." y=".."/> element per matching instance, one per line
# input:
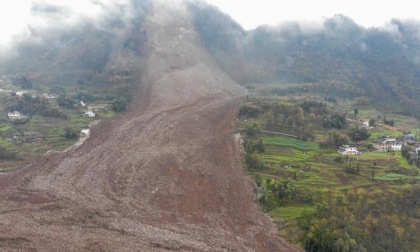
<point x="320" y="199"/>
<point x="338" y="56"/>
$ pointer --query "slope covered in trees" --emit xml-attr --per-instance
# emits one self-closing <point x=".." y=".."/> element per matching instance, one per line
<point x="338" y="55"/>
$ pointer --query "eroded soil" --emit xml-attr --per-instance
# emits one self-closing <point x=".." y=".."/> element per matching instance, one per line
<point x="164" y="176"/>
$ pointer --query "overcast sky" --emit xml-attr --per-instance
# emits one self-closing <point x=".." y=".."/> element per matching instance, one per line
<point x="251" y="13"/>
<point x="16" y="15"/>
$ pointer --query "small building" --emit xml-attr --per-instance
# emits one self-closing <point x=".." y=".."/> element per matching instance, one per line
<point x="409" y="139"/>
<point x="348" y="150"/>
<point x="16" y="115"/>
<point x="21" y="93"/>
<point x="380" y="147"/>
<point x="416" y="152"/>
<point x="388" y="140"/>
<point x="90" y="113"/>
<point x="50" y="96"/>
<point x="396" y="147"/>
<point x="364" y="124"/>
<point x="385" y="146"/>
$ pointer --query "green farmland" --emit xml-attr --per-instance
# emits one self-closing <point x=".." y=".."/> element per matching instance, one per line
<point x="300" y="180"/>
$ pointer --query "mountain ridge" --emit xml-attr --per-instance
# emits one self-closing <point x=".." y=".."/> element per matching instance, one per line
<point x="380" y="61"/>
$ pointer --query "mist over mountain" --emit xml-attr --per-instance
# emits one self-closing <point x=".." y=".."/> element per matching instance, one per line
<point x="68" y="50"/>
<point x="379" y="63"/>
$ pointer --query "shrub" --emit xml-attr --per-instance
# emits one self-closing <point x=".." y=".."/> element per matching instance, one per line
<point x="71" y="133"/>
<point x="119" y="104"/>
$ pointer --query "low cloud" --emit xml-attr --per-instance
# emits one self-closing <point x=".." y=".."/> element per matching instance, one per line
<point x="48" y="19"/>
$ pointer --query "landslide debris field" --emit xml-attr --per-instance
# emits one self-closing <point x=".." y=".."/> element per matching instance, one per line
<point x="164" y="176"/>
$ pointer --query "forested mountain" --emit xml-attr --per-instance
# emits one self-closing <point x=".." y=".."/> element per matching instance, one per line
<point x="381" y="63"/>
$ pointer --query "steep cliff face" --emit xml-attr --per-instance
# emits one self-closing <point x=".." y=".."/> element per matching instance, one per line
<point x="164" y="176"/>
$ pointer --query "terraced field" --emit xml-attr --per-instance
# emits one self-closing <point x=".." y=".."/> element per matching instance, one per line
<point x="314" y="171"/>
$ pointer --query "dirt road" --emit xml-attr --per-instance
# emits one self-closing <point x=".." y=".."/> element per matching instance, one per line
<point x="163" y="176"/>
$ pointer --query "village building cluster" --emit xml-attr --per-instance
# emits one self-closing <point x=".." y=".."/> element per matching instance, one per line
<point x="8" y="87"/>
<point x="384" y="143"/>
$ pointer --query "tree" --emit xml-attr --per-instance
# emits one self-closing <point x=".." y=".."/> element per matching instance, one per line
<point x="119" y="104"/>
<point x="357" y="134"/>
<point x="66" y="102"/>
<point x="23" y="82"/>
<point x="335" y="140"/>
<point x="372" y="122"/>
<point x="251" y="128"/>
<point x="71" y="133"/>
<point x="336" y="121"/>
<point x="389" y="122"/>
<point x="251" y="147"/>
<point x="248" y="111"/>
<point x="356" y="112"/>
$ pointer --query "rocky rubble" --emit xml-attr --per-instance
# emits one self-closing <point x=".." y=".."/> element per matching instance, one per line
<point x="164" y="176"/>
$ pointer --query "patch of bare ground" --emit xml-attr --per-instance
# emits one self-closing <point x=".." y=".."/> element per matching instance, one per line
<point x="163" y="176"/>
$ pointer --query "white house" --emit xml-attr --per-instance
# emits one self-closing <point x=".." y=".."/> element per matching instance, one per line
<point x="348" y="150"/>
<point x="15" y="115"/>
<point x="50" y="96"/>
<point x="21" y="93"/>
<point x="396" y="147"/>
<point x="384" y="147"/>
<point x="389" y="140"/>
<point x="90" y="113"/>
<point x="417" y="151"/>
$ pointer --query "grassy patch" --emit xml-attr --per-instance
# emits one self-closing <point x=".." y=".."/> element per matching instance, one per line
<point x="291" y="142"/>
<point x="290" y="212"/>
<point x="5" y="126"/>
<point x="80" y="119"/>
<point x="391" y="177"/>
<point x="107" y="114"/>
<point x="6" y="144"/>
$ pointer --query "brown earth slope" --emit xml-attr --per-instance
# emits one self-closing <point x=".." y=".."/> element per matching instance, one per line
<point x="164" y="176"/>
